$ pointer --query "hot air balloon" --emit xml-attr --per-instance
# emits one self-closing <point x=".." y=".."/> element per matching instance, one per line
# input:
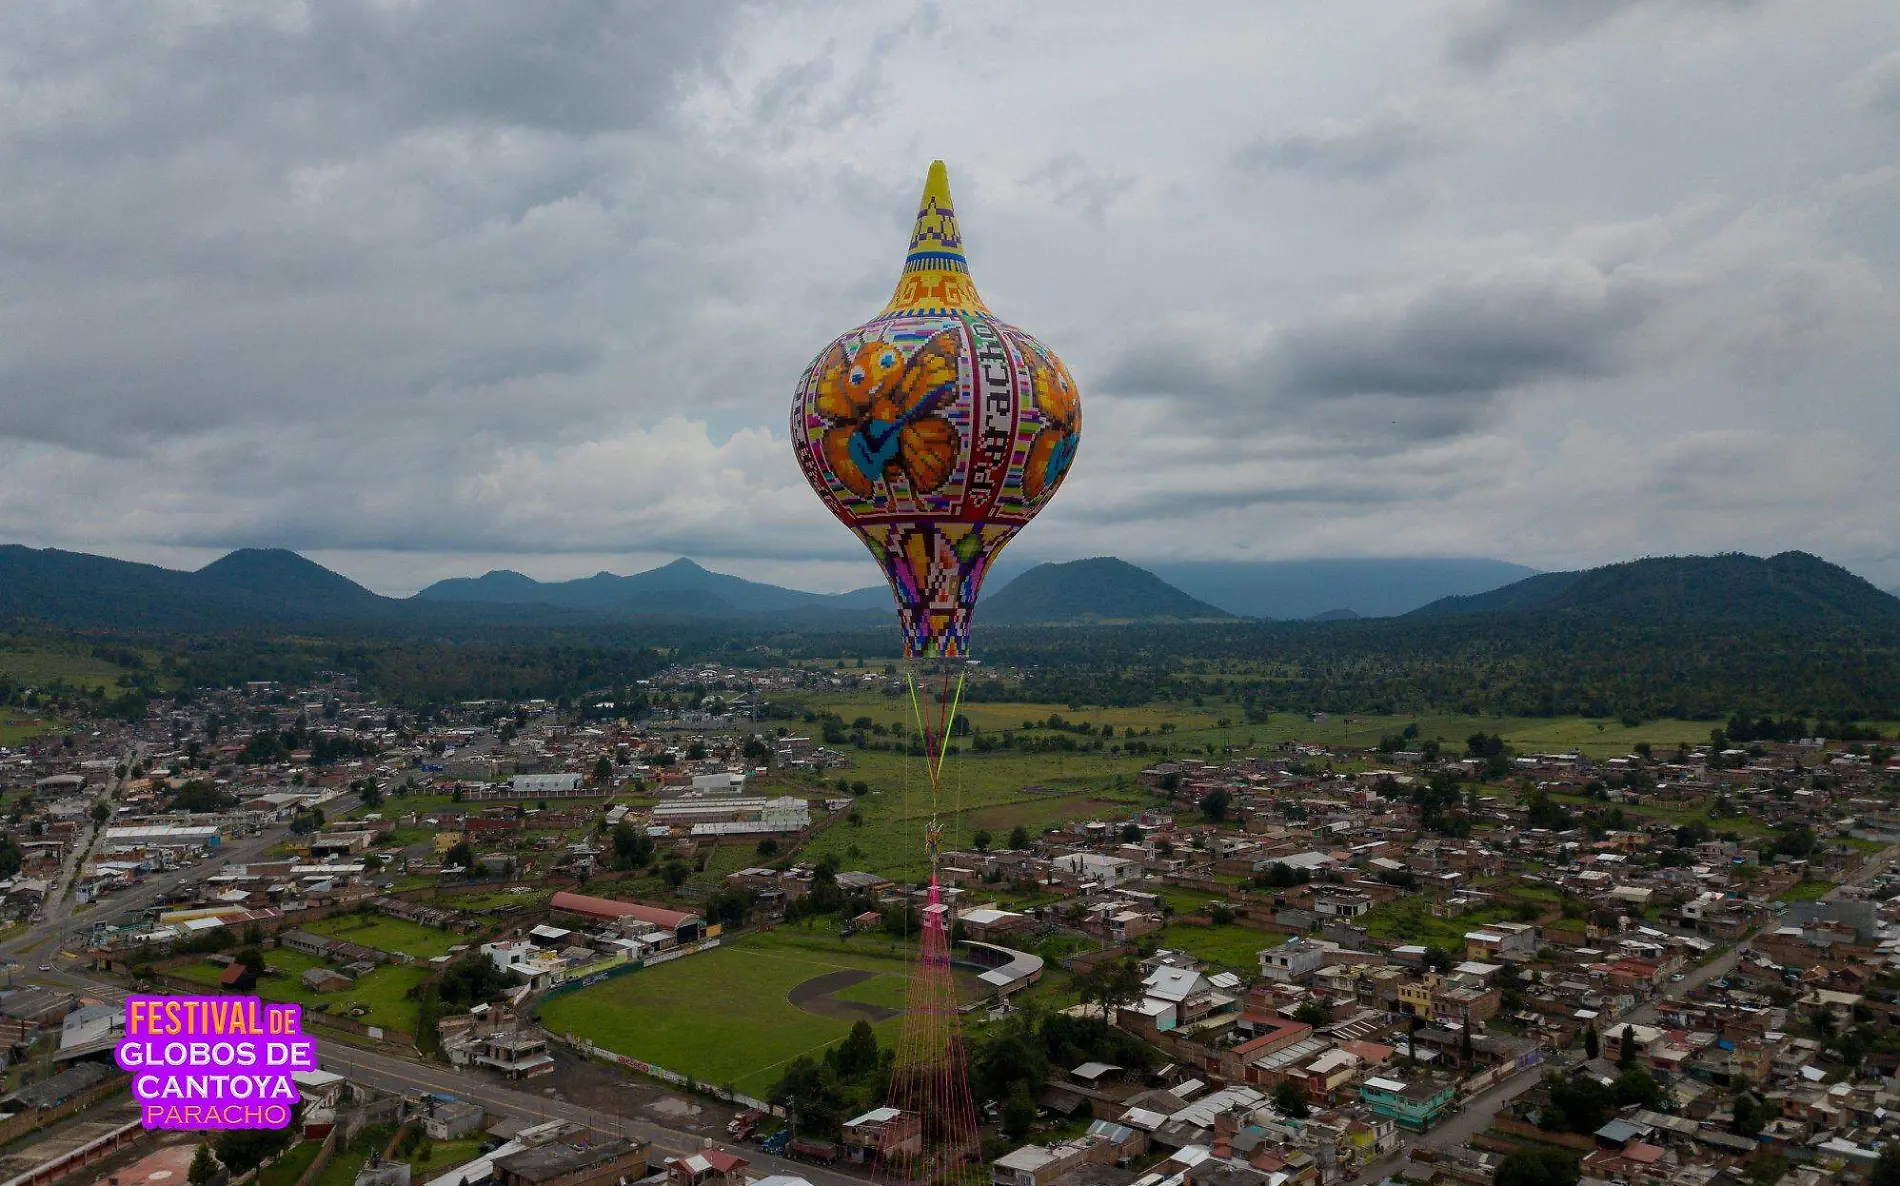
<point x="936" y="432"/>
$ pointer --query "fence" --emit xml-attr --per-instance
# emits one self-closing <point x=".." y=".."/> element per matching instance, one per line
<point x="652" y="961"/>
<point x="587" y="1048"/>
<point x="16" y="1126"/>
<point x="1530" y="1132"/>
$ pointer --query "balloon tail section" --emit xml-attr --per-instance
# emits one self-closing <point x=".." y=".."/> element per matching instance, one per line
<point x="936" y="717"/>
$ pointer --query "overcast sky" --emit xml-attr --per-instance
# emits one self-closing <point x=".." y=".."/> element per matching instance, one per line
<point x="422" y="289"/>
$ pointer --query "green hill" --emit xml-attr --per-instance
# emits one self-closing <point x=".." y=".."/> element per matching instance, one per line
<point x="282" y="576"/>
<point x="1791" y="586"/>
<point x="1103" y="588"/>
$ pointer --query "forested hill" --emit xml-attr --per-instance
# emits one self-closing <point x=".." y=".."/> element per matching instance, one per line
<point x="1789" y="587"/>
<point x="1103" y="589"/>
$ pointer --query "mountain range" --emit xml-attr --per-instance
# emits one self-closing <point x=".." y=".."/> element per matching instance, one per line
<point x="1786" y="586"/>
<point x="276" y="588"/>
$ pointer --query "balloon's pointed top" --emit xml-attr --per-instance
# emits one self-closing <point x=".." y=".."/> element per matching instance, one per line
<point x="936" y="275"/>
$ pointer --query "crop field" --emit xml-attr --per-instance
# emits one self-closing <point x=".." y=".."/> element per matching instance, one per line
<point x="726" y="1016"/>
<point x="45" y="665"/>
<point x="988" y="791"/>
<point x="1196" y="726"/>
<point x="388" y="934"/>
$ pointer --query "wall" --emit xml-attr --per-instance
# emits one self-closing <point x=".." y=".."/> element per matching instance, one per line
<point x="15" y="1127"/>
<point x="588" y="1049"/>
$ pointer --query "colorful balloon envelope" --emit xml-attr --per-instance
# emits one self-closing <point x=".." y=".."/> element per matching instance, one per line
<point x="936" y="432"/>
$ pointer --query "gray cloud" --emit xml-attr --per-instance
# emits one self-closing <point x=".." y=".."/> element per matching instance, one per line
<point x="1500" y="26"/>
<point x="1431" y="360"/>
<point x="1364" y="150"/>
<point x="1878" y="86"/>
<point x="484" y="279"/>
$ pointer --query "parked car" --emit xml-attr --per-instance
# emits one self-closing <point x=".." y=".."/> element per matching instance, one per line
<point x="775" y="1144"/>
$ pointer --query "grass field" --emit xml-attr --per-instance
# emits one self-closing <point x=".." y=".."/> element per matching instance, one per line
<point x="18" y="725"/>
<point x="288" y="1169"/>
<point x="388" y="934"/>
<point x="348" y="1161"/>
<point x="435" y="1157"/>
<point x="1197" y="726"/>
<point x="37" y="665"/>
<point x="1230" y="946"/>
<point x="1411" y="920"/>
<point x="383" y="992"/>
<point x="722" y="1016"/>
<point x="988" y="791"/>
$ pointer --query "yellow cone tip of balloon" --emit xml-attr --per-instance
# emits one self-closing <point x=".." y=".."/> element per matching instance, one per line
<point x="936" y="277"/>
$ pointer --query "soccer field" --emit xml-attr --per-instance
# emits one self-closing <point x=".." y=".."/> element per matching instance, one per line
<point x="727" y="1017"/>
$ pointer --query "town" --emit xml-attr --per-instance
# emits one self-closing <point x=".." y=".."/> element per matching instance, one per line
<point x="588" y="942"/>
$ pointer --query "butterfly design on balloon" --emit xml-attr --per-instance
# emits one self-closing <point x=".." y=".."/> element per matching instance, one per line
<point x="882" y="411"/>
<point x="1061" y="407"/>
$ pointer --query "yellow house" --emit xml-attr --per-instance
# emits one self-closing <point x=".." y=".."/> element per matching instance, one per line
<point x="1415" y="996"/>
<point x="444" y="841"/>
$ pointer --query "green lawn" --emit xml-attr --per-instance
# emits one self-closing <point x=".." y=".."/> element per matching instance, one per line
<point x="491" y="899"/>
<point x="384" y="992"/>
<point x="20" y="724"/>
<point x="1410" y="920"/>
<point x="722" y="1016"/>
<point x="1231" y="946"/>
<point x="1806" y="891"/>
<point x="286" y="1170"/>
<point x="388" y="934"/>
<point x="436" y="1157"/>
<point x="348" y="1161"/>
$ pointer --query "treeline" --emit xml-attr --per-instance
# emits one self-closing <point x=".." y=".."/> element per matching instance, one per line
<point x="1502" y="665"/>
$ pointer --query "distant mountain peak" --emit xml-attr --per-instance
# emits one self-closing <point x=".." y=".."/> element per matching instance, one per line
<point x="1099" y="588"/>
<point x="1729" y="585"/>
<point x="281" y="573"/>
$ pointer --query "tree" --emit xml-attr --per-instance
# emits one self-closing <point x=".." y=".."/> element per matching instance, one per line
<point x="204" y="1166"/>
<point x="1290" y="1098"/>
<point x="101" y="812"/>
<point x="470" y="980"/>
<point x="603" y="770"/>
<point x="1591" y="1047"/>
<point x="1545" y="1167"/>
<point x="1626" y="1051"/>
<point x="633" y="848"/>
<point x="1131" y="833"/>
<point x="1577" y="1104"/>
<point x="1886" y="1171"/>
<point x="1019" y="1112"/>
<point x="252" y="958"/>
<point x="1750" y="1115"/>
<point x="1214" y="804"/>
<point x="241" y="1149"/>
<point x="857" y="1054"/>
<point x="675" y="873"/>
<point x="1019" y="837"/>
<point x="460" y="855"/>
<point x="1311" y="1012"/>
<point x="980" y="840"/>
